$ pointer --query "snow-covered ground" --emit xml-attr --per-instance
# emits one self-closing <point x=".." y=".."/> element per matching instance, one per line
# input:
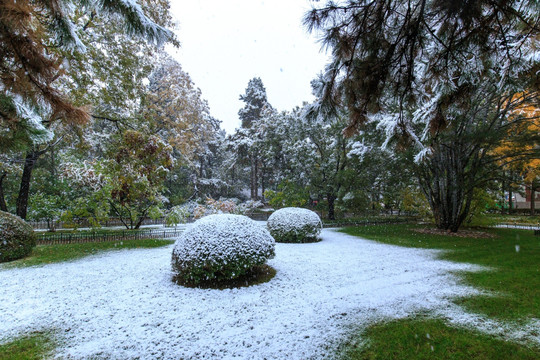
<point x="123" y="305"/>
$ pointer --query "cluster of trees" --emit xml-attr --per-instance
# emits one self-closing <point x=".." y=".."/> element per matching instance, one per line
<point x="448" y="80"/>
<point x="291" y="159"/>
<point x="450" y="88"/>
<point x="95" y="117"/>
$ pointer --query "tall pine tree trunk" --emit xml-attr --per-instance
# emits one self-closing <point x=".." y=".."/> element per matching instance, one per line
<point x="253" y="176"/>
<point x="24" y="190"/>
<point x="263" y="177"/>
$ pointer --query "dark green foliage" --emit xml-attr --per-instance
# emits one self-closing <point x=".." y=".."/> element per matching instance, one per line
<point x="299" y="235"/>
<point x="252" y="276"/>
<point x="194" y="275"/>
<point x="432" y="339"/>
<point x="16" y="237"/>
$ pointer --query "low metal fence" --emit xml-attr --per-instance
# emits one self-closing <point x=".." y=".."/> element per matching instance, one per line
<point x="519" y="226"/>
<point x="342" y="223"/>
<point x="85" y="223"/>
<point x="86" y="237"/>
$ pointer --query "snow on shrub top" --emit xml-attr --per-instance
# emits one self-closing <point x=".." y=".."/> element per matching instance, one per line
<point x="294" y="224"/>
<point x="219" y="243"/>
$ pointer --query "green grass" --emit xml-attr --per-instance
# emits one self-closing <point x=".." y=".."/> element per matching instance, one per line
<point x="515" y="274"/>
<point x="46" y="254"/>
<point x="37" y="345"/>
<point x="431" y="339"/>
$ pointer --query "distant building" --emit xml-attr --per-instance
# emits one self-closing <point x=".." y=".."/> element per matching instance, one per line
<point x="521" y="202"/>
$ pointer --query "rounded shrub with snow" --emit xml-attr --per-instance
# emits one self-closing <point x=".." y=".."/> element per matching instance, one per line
<point x="16" y="237"/>
<point x="294" y="225"/>
<point x="219" y="248"/>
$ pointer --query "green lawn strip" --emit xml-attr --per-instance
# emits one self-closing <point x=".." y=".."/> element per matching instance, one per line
<point x="431" y="339"/>
<point x="46" y="254"/>
<point x="513" y="256"/>
<point x="36" y="345"/>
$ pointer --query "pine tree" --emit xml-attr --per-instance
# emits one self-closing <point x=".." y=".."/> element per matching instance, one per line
<point x="33" y="35"/>
<point x="256" y="104"/>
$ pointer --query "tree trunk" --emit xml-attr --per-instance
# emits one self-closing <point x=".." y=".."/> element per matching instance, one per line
<point x="141" y="219"/>
<point x="3" y="205"/>
<point x="446" y="185"/>
<point x="510" y="201"/>
<point x="331" y="206"/>
<point x="263" y="173"/>
<point x="533" y="196"/>
<point x="24" y="190"/>
<point x="253" y="178"/>
<point x="139" y="223"/>
<point x="503" y="188"/>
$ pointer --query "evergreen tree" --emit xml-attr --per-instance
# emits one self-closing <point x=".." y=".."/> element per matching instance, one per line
<point x="251" y="115"/>
<point x="255" y="102"/>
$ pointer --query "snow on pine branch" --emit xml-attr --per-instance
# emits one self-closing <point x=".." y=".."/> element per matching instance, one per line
<point x="136" y="22"/>
<point x="38" y="133"/>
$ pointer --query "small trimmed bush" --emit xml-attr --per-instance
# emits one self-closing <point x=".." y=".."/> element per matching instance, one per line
<point x="294" y="225"/>
<point x="220" y="248"/>
<point x="16" y="237"/>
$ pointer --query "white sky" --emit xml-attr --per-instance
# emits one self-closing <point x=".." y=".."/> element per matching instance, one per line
<point x="226" y="43"/>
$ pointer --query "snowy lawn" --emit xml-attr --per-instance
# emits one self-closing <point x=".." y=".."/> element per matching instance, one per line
<point x="123" y="304"/>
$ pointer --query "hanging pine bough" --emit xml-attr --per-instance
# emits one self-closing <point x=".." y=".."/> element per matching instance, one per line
<point x="440" y="77"/>
<point x="33" y="34"/>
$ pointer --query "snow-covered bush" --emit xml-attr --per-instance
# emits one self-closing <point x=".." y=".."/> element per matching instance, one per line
<point x="219" y="248"/>
<point x="224" y="206"/>
<point x="212" y="206"/>
<point x="16" y="237"/>
<point x="294" y="225"/>
<point x="248" y="206"/>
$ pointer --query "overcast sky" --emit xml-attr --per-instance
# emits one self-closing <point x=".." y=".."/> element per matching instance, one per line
<point x="226" y="43"/>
